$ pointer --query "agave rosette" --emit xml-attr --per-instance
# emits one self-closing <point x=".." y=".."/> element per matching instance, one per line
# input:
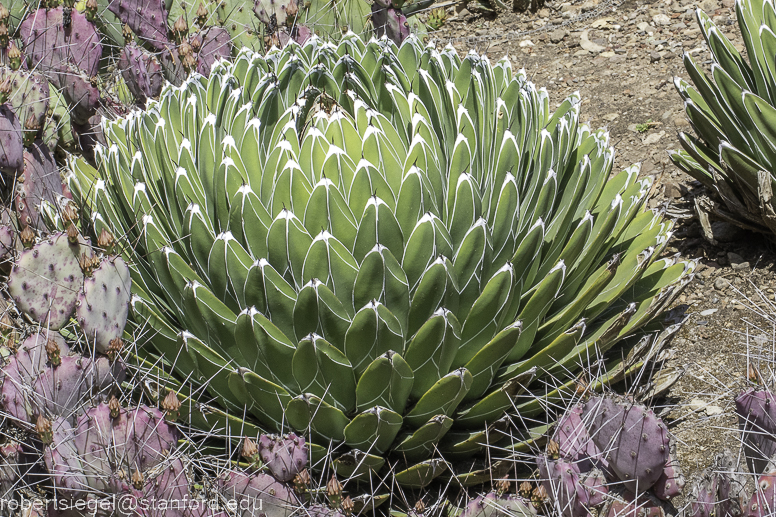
<point x="732" y="111"/>
<point x="375" y="246"/>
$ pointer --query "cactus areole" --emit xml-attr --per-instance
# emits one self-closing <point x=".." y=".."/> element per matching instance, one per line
<point x="375" y="247"/>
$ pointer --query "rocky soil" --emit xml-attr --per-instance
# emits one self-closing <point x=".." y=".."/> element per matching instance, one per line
<point x="623" y="59"/>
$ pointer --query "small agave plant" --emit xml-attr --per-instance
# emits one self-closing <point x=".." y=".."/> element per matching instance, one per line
<point x="377" y="247"/>
<point x="732" y="112"/>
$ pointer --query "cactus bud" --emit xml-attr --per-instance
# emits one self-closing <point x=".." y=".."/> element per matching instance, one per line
<point x="186" y="53"/>
<point x="6" y="87"/>
<point x="14" y="56"/>
<point x="72" y="234"/>
<point x="129" y="36"/>
<point x="301" y="481"/>
<point x="202" y="15"/>
<point x="582" y="385"/>
<point x="43" y="428"/>
<point x="503" y="485"/>
<point x="753" y="374"/>
<point x="5" y="14"/>
<point x="115" y="407"/>
<point x="172" y="406"/>
<point x="137" y="479"/>
<point x="91" y="10"/>
<point x="525" y="489"/>
<point x="334" y="492"/>
<point x="196" y="44"/>
<point x="291" y="11"/>
<point x="3" y="34"/>
<point x="553" y="449"/>
<point x="250" y="451"/>
<point x="53" y="353"/>
<point x="27" y="237"/>
<point x="105" y="240"/>
<point x="114" y="348"/>
<point x="348" y="506"/>
<point x="539" y="496"/>
<point x="31" y="130"/>
<point x="420" y="506"/>
<point x="69" y="213"/>
<point x="179" y="29"/>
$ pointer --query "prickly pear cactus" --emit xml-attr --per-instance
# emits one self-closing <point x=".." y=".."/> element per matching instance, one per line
<point x="142" y="72"/>
<point x="635" y="441"/>
<point x="11" y="148"/>
<point x="43" y="378"/>
<point x="494" y="505"/>
<point x="81" y="94"/>
<point x="250" y="490"/>
<point x="146" y="18"/>
<point x="103" y="303"/>
<point x="46" y="279"/>
<point x="756" y="409"/>
<point x="39" y="182"/>
<point x="29" y="94"/>
<point x="284" y="456"/>
<point x="50" y="43"/>
<point x="214" y="43"/>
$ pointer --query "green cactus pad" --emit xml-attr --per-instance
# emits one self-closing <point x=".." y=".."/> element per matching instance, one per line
<point x="30" y="94"/>
<point x="103" y="304"/>
<point x="46" y="279"/>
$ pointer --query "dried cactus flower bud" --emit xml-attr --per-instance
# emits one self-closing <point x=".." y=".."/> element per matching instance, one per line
<point x="53" y="353"/>
<point x="4" y="13"/>
<point x="129" y="36"/>
<point x="539" y="496"/>
<point x="14" y="56"/>
<point x="348" y="506"/>
<point x="249" y="450"/>
<point x="27" y="237"/>
<point x="334" y="492"/>
<point x="31" y="130"/>
<point x="72" y="233"/>
<point x="525" y="489"/>
<point x="291" y="11"/>
<point x="6" y="87"/>
<point x="420" y="506"/>
<point x="3" y="34"/>
<point x="44" y="430"/>
<point x="91" y="10"/>
<point x="172" y="406"/>
<point x="553" y="449"/>
<point x="582" y="385"/>
<point x="115" y="407"/>
<point x="196" y="44"/>
<point x="503" y="485"/>
<point x="180" y="28"/>
<point x="137" y="479"/>
<point x="114" y="348"/>
<point x="301" y="481"/>
<point x="105" y="240"/>
<point x="202" y="15"/>
<point x="69" y="212"/>
<point x="753" y="374"/>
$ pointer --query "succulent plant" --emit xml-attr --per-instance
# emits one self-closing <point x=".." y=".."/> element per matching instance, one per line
<point x="436" y="19"/>
<point x="609" y="456"/>
<point x="732" y="112"/>
<point x="495" y="505"/>
<point x="332" y="238"/>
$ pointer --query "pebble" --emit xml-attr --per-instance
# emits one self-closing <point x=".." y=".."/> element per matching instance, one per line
<point x="721" y="284"/>
<point x="708" y="312"/>
<point x="661" y="19"/>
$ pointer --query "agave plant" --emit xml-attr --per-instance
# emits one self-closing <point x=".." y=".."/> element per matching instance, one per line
<point x="732" y="112"/>
<point x="375" y="246"/>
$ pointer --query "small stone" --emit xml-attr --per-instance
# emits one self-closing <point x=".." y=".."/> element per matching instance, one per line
<point x="610" y="116"/>
<point x="708" y="312"/>
<point x="720" y="284"/>
<point x="642" y="26"/>
<point x="680" y="122"/>
<point x="526" y="43"/>
<point x="653" y="138"/>
<point x="654" y="57"/>
<point x="734" y="258"/>
<point x="713" y="410"/>
<point x="661" y="19"/>
<point x="741" y="266"/>
<point x="557" y="35"/>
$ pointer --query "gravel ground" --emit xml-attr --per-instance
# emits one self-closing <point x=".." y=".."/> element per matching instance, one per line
<point x="623" y="61"/>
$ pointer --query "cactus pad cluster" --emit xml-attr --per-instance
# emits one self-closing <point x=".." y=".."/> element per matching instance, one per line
<point x="611" y="456"/>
